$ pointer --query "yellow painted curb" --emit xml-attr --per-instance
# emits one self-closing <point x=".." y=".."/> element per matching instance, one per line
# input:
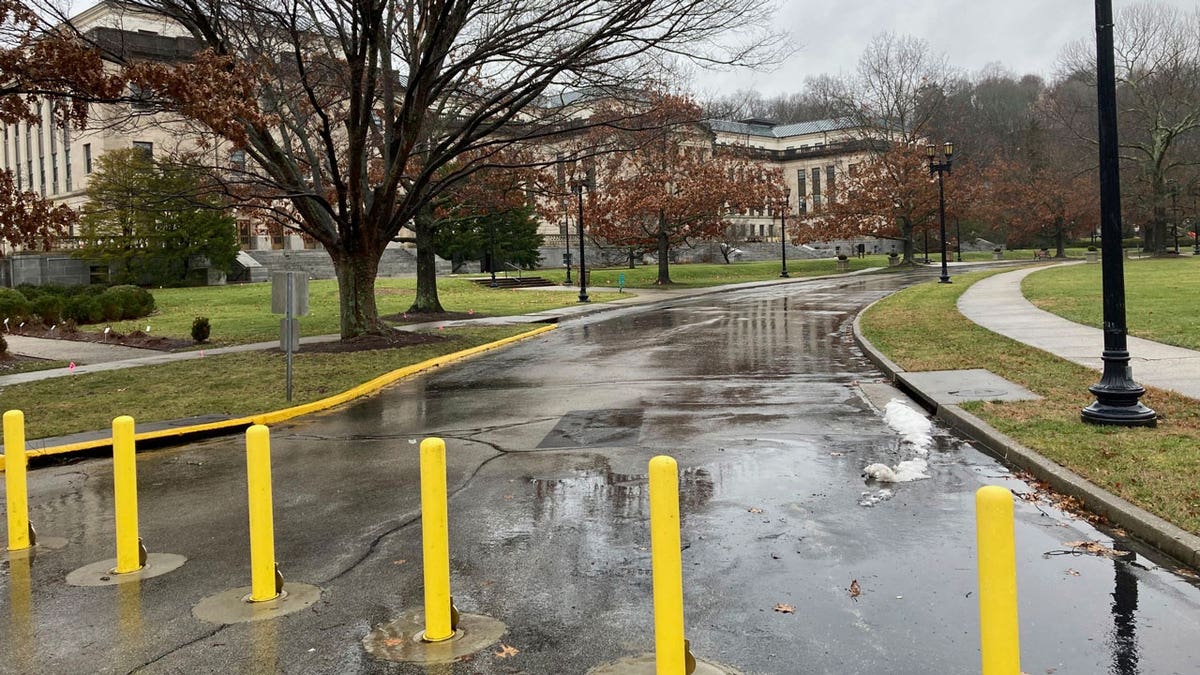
<point x="276" y="416"/>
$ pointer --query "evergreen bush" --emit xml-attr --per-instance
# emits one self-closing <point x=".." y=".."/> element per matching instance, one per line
<point x="49" y="308"/>
<point x="13" y="306"/>
<point x="200" y="329"/>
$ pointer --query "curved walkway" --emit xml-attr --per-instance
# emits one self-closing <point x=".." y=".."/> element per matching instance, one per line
<point x="997" y="304"/>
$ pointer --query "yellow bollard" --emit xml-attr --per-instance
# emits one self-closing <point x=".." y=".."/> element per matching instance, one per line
<point x="17" y="490"/>
<point x="262" y="521"/>
<point x="129" y="547"/>
<point x="670" y="651"/>
<point x="998" y="628"/>
<point x="435" y="536"/>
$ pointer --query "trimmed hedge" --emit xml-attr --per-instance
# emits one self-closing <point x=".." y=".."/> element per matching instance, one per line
<point x="81" y="304"/>
<point x="14" y="306"/>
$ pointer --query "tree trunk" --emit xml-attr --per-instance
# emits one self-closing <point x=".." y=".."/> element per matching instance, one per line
<point x="426" y="300"/>
<point x="631" y="265"/>
<point x="907" y="231"/>
<point x="1059" y="239"/>
<point x="664" y="252"/>
<point x="356" y="272"/>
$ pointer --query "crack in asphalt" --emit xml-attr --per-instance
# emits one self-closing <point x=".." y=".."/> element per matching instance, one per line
<point x="185" y="645"/>
<point x="416" y="516"/>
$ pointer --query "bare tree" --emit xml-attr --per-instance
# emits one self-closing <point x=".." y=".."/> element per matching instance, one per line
<point x="899" y="84"/>
<point x="362" y="107"/>
<point x="1157" y="55"/>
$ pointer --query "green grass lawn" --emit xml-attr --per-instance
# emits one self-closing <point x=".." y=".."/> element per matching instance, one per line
<point x="242" y="313"/>
<point x="1161" y="295"/>
<point x="920" y="329"/>
<point x="700" y="275"/>
<point x="229" y="384"/>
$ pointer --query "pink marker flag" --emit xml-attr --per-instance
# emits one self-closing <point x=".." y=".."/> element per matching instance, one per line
<point x="71" y="367"/>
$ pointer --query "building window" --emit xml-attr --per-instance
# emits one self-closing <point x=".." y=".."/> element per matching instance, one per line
<point x="237" y="160"/>
<point x="42" y="174"/>
<point x="87" y="157"/>
<point x="146" y="147"/>
<point x="829" y="179"/>
<point x="816" y="187"/>
<point x="53" y="171"/>
<point x="801" y="184"/>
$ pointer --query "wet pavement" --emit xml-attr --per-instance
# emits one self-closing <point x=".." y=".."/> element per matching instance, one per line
<point x="766" y="403"/>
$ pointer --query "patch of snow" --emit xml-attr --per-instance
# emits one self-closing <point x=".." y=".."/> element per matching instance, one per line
<point x="870" y="499"/>
<point x="908" y="470"/>
<point x="913" y="426"/>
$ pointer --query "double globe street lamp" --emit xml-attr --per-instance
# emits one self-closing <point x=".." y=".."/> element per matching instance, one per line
<point x="941" y="166"/>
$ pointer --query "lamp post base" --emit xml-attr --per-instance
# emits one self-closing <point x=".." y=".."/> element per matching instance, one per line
<point x="1117" y="404"/>
<point x="784" y="275"/>
<point x="945" y="280"/>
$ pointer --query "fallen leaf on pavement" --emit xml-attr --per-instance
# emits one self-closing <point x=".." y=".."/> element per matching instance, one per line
<point x="1072" y="572"/>
<point x="393" y="642"/>
<point x="754" y="509"/>
<point x="506" y="651"/>
<point x="784" y="609"/>
<point x="855" y="589"/>
<point x="399" y="562"/>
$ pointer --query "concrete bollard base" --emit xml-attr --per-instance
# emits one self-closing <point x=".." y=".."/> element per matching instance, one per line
<point x="233" y="606"/>
<point x="401" y="641"/>
<point x="645" y="665"/>
<point x="101" y="573"/>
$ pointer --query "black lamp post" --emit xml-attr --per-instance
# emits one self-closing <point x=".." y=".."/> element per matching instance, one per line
<point x="1175" y="218"/>
<point x="567" y="245"/>
<point x="940" y="167"/>
<point x="958" y="238"/>
<point x="492" y="250"/>
<point x="787" y="193"/>
<point x="577" y="188"/>
<point x="1117" y="395"/>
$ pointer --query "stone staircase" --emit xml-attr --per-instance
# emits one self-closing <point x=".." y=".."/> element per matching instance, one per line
<point x="515" y="282"/>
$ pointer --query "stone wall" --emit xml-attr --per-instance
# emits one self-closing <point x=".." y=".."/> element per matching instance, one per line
<point x="40" y="270"/>
<point x="396" y="262"/>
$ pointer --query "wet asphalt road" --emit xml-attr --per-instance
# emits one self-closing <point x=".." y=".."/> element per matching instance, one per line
<point x="759" y="394"/>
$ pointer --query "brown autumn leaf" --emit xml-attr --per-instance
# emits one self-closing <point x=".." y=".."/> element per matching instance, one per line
<point x="393" y="642"/>
<point x="1092" y="547"/>
<point x="784" y="609"/>
<point x="754" y="509"/>
<point x="506" y="651"/>
<point x="1072" y="572"/>
<point x="855" y="589"/>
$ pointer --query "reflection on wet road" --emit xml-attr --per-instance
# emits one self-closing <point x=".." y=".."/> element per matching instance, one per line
<point x="759" y="396"/>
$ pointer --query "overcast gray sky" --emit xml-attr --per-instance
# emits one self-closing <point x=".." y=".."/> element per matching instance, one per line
<point x="1024" y="35"/>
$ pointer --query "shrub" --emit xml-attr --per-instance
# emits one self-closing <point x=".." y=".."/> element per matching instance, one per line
<point x="3" y="346"/>
<point x="13" y="306"/>
<point x="49" y="308"/>
<point x="134" y="302"/>
<point x="83" y="309"/>
<point x="200" y="329"/>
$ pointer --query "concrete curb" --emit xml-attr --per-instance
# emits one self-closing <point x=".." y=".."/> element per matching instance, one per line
<point x="236" y="424"/>
<point x="1136" y="521"/>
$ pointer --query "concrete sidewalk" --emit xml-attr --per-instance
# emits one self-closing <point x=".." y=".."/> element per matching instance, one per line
<point x="996" y="303"/>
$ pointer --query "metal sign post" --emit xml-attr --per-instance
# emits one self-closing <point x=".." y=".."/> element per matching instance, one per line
<point x="289" y="296"/>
